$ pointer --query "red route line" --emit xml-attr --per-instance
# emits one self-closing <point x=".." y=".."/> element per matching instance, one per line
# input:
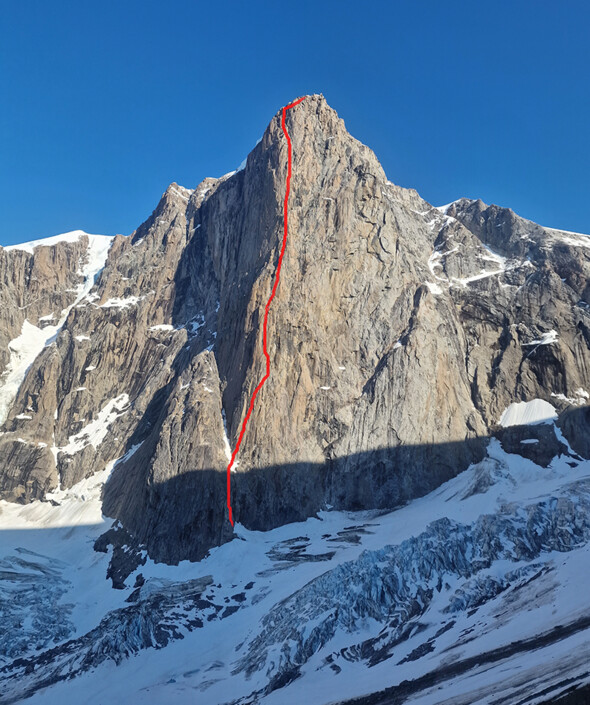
<point x="266" y="309"/>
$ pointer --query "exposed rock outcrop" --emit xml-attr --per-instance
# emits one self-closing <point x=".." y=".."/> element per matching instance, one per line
<point x="398" y="335"/>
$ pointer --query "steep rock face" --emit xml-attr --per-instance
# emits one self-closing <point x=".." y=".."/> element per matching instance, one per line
<point x="398" y="335"/>
<point x="36" y="286"/>
<point x="535" y="318"/>
<point x="177" y="471"/>
<point x="352" y="286"/>
<point x="351" y="324"/>
<point x="40" y="285"/>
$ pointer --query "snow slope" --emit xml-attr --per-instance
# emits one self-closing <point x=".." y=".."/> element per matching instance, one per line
<point x="98" y="243"/>
<point x="458" y="596"/>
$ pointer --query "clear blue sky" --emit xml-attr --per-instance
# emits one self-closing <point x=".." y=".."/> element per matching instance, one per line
<point x="105" y="103"/>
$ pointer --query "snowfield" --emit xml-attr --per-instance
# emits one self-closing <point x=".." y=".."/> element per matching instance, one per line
<point x="476" y="590"/>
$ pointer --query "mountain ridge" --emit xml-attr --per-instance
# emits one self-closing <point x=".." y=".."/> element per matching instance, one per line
<point x="181" y="297"/>
<point x="411" y="496"/>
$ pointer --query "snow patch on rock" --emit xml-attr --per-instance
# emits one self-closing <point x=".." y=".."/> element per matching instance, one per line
<point x="117" y="302"/>
<point x="522" y="413"/>
<point x="548" y="338"/>
<point x="95" y="432"/>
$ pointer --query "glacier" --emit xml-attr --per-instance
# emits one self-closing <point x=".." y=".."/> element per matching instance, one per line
<point x="454" y="590"/>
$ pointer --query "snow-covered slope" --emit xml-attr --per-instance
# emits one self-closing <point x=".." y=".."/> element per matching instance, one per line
<point x="459" y="596"/>
<point x="99" y="245"/>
